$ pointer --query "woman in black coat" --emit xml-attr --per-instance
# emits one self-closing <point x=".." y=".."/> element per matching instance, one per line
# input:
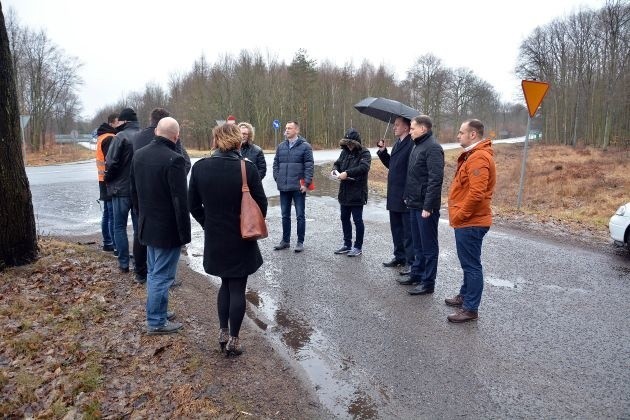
<point x="214" y="198"/>
<point x="352" y="169"/>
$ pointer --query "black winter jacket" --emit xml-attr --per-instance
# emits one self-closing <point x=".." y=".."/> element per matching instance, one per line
<point x="158" y="180"/>
<point x="255" y="154"/>
<point x="148" y="134"/>
<point x="118" y="160"/>
<point x="214" y="198"/>
<point x="292" y="164"/>
<point x="397" y="177"/>
<point x="423" y="190"/>
<point x="356" y="163"/>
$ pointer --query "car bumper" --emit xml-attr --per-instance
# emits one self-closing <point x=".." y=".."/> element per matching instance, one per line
<point x="617" y="227"/>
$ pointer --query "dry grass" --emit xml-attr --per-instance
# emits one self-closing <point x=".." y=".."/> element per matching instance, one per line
<point x="581" y="186"/>
<point x="58" y="153"/>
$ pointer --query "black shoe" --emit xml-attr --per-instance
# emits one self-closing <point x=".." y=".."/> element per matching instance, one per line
<point x="108" y="248"/>
<point x="141" y="279"/>
<point x="394" y="263"/>
<point x="408" y="282"/>
<point x="421" y="289"/>
<point x="124" y="269"/>
<point x="168" y="328"/>
<point x="281" y="245"/>
<point x="406" y="270"/>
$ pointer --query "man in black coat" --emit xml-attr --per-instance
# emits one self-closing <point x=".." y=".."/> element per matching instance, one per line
<point x="117" y="168"/>
<point x="396" y="179"/>
<point x="423" y="196"/>
<point x="142" y="139"/>
<point x="158" y="180"/>
<point x="352" y="169"/>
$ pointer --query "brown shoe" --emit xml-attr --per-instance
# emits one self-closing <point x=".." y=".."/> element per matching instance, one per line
<point x="456" y="301"/>
<point x="462" y="316"/>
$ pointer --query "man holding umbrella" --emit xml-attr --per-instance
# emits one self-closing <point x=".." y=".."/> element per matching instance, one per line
<point x="389" y="110"/>
<point x="397" y="163"/>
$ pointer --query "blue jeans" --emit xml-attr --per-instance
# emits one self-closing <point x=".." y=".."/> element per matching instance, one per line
<point x="424" y="233"/>
<point x="468" y="241"/>
<point x="401" y="236"/>
<point x="299" y="199"/>
<point x="357" y="216"/>
<point x="162" y="267"/>
<point x="121" y="206"/>
<point x="107" y="223"/>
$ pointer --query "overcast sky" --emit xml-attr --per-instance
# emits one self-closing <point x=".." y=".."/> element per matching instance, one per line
<point x="123" y="45"/>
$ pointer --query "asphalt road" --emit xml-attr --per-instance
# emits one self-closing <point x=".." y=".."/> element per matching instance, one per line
<point x="552" y="339"/>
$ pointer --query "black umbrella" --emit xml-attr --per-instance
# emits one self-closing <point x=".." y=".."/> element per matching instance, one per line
<point x="385" y="109"/>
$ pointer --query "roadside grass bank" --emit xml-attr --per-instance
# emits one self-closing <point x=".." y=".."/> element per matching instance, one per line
<point x="58" y="153"/>
<point x="73" y="344"/>
<point x="575" y="190"/>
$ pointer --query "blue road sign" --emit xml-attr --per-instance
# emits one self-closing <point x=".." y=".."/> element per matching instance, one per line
<point x="276" y="124"/>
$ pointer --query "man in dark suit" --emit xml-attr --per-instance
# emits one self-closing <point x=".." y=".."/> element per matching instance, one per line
<point x="158" y="180"/>
<point x="397" y="164"/>
<point x="142" y="139"/>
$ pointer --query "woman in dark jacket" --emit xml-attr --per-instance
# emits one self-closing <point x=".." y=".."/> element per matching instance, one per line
<point x="214" y="199"/>
<point x="352" y="169"/>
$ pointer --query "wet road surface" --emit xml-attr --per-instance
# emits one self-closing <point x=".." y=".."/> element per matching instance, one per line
<point x="552" y="339"/>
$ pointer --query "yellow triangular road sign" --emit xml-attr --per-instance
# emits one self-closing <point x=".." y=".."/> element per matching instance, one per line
<point x="534" y="93"/>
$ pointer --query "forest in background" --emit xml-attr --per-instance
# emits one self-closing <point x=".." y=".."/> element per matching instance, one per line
<point x="584" y="56"/>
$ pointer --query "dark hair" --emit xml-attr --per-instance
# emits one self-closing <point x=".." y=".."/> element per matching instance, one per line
<point x="475" y="125"/>
<point x="406" y="121"/>
<point x="157" y="114"/>
<point x="294" y="122"/>
<point x="112" y="117"/>
<point x="423" y="120"/>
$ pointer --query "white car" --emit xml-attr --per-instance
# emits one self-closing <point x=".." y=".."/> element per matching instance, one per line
<point x="619" y="226"/>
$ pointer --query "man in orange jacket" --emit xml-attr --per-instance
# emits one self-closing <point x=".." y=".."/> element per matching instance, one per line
<point x="470" y="215"/>
<point x="105" y="133"/>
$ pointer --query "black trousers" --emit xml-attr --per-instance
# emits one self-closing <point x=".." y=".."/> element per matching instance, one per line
<point x="399" y="222"/>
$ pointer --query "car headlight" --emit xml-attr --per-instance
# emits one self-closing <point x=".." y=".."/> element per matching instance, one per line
<point x="621" y="211"/>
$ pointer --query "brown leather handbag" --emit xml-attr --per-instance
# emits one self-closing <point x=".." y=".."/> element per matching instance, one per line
<point x="253" y="225"/>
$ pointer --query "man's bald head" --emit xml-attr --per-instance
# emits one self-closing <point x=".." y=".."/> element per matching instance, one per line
<point x="169" y="128"/>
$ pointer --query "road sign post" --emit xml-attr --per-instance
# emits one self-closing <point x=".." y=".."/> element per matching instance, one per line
<point x="276" y="127"/>
<point x="23" y="122"/>
<point x="534" y="93"/>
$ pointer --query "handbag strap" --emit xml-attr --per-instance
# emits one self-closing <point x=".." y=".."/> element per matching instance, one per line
<point x="245" y="187"/>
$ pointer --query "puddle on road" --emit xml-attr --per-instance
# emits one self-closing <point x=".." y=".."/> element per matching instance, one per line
<point x="312" y="350"/>
<point x="500" y="282"/>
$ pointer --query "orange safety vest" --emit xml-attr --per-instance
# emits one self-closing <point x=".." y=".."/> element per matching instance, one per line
<point x="100" y="158"/>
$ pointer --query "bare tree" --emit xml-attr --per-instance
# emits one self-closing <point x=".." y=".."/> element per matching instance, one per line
<point x="18" y="238"/>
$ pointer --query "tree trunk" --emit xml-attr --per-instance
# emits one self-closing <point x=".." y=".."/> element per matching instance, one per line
<point x="18" y="237"/>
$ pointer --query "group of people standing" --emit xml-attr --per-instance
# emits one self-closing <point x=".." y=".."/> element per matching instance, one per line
<point x="414" y="190"/>
<point x="145" y="172"/>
